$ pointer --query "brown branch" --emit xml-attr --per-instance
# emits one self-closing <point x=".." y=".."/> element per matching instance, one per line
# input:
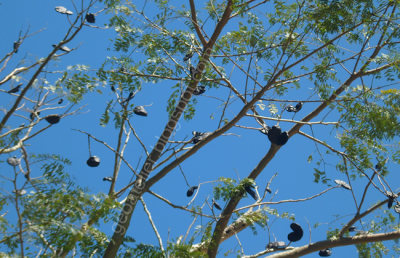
<point x="196" y="25"/>
<point x="344" y="241"/>
<point x="237" y="226"/>
<point x="360" y="216"/>
<point x="285" y="201"/>
<point x="179" y="207"/>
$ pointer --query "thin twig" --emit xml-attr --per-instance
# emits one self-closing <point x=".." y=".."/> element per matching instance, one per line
<point x="152" y="223"/>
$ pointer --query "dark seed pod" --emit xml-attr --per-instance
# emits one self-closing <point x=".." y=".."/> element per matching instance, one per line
<point x="63" y="48"/>
<point x="15" y="89"/>
<point x="216" y="205"/>
<point x="93" y="161"/>
<point x="112" y="88"/>
<point x="378" y="167"/>
<point x="32" y="115"/>
<point x="123" y="70"/>
<point x="283" y="138"/>
<point x="352" y="229"/>
<point x="191" y="191"/>
<point x="273" y="134"/>
<point x="273" y="245"/>
<point x="90" y="18"/>
<point x="63" y="10"/>
<point x="19" y="191"/>
<point x="391" y="195"/>
<point x="390" y="203"/>
<point x="52" y="119"/>
<point x="199" y="90"/>
<point x="198" y="136"/>
<point x="343" y="184"/>
<point x="60" y="101"/>
<point x="298" y="106"/>
<point x="16" y="46"/>
<point x="276" y="136"/>
<point x="188" y="56"/>
<point x="251" y="192"/>
<point x="13" y="161"/>
<point x="107" y="178"/>
<point x="290" y="108"/>
<point x="297" y="233"/>
<point x="268" y="190"/>
<point x="140" y="111"/>
<point x="130" y="96"/>
<point x="325" y="253"/>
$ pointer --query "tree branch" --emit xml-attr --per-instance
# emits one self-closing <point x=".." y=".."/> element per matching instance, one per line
<point x="196" y="25"/>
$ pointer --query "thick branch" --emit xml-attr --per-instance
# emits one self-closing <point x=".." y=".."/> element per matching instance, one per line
<point x="315" y="247"/>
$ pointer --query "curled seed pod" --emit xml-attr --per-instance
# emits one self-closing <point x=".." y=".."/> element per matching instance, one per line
<point x="352" y="229"/>
<point x="297" y="233"/>
<point x="276" y="136"/>
<point x="93" y="161"/>
<point x="191" y="190"/>
<point x="283" y="138"/>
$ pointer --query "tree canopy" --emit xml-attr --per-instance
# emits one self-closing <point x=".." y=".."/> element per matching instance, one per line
<point x="200" y="129"/>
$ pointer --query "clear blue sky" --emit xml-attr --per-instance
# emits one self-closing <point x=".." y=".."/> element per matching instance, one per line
<point x="220" y="158"/>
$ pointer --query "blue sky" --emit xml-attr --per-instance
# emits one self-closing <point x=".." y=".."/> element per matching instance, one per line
<point x="220" y="158"/>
